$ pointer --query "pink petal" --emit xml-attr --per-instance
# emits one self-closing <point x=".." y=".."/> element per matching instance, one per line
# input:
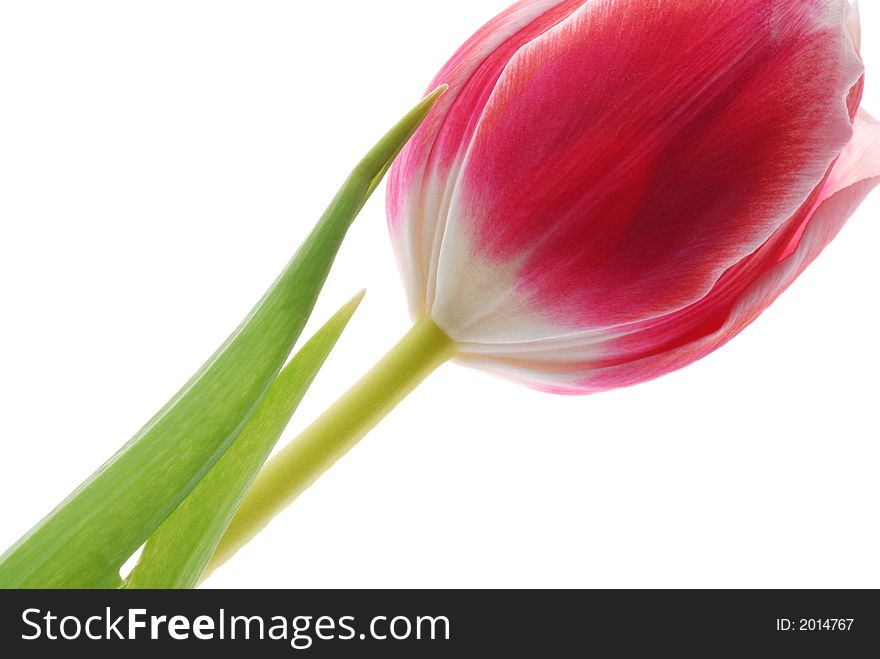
<point x="419" y="182"/>
<point x="682" y="339"/>
<point x="854" y="25"/>
<point x="633" y="154"/>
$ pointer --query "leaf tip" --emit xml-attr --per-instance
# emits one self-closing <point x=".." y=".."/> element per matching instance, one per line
<point x="348" y="309"/>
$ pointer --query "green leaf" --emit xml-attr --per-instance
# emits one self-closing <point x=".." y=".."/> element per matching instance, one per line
<point x="84" y="542"/>
<point x="176" y="554"/>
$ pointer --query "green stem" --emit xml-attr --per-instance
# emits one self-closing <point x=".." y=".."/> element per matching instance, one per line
<point x="333" y="434"/>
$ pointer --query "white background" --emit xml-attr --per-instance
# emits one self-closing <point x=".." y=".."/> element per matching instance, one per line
<point x="159" y="163"/>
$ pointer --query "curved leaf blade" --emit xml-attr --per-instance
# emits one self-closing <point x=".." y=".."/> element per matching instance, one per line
<point x="87" y="538"/>
<point x="175" y="556"/>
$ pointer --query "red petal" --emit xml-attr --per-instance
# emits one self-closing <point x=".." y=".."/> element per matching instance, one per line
<point x="637" y="151"/>
<point x="751" y="286"/>
<point x="421" y="179"/>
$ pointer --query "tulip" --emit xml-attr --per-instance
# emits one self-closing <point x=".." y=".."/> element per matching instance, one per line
<point x="609" y="191"/>
<point x="613" y="189"/>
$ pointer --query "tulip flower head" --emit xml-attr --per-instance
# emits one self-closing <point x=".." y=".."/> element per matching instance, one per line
<point x="612" y="189"/>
